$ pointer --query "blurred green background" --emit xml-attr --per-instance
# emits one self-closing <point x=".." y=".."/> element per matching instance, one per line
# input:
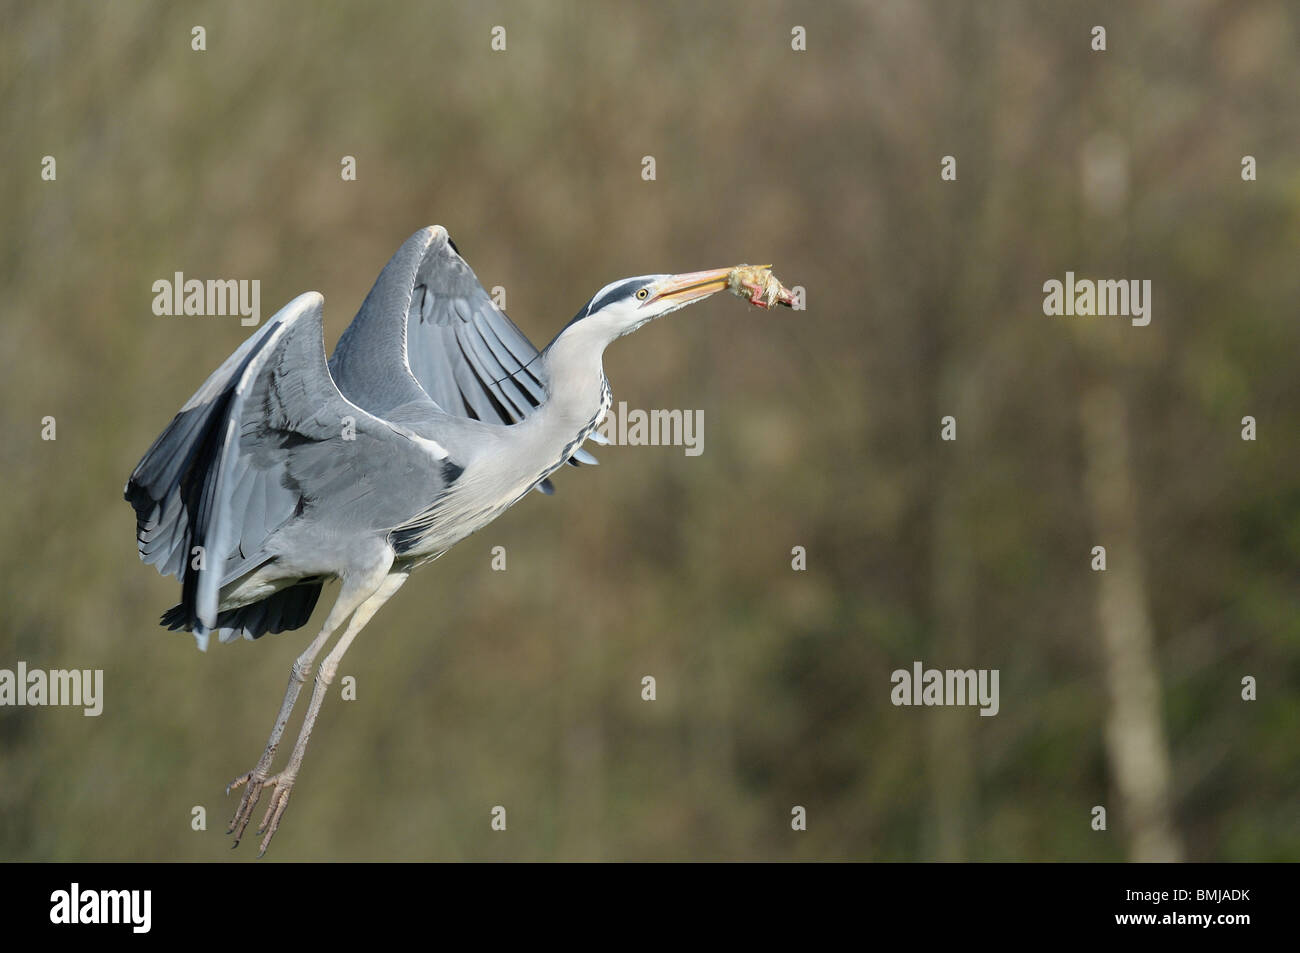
<point x="478" y="688"/>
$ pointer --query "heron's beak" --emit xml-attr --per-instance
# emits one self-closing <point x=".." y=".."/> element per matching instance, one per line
<point x="683" y="289"/>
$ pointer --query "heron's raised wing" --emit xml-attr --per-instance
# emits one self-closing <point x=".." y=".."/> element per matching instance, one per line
<point x="427" y="321"/>
<point x="265" y="438"/>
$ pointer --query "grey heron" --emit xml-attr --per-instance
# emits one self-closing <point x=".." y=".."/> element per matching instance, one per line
<point x="434" y="415"/>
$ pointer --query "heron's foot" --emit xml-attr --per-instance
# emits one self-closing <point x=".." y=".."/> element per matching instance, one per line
<point x="252" y="783"/>
<point x="283" y="784"/>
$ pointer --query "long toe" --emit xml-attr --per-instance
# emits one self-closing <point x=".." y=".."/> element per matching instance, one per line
<point x="275" y="810"/>
<point x="252" y="793"/>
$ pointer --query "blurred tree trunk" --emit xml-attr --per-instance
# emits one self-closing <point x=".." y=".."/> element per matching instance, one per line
<point x="950" y="749"/>
<point x="1135" y="738"/>
<point x="955" y="370"/>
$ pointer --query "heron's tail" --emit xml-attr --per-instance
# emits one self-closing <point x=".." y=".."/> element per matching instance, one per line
<point x="281" y="611"/>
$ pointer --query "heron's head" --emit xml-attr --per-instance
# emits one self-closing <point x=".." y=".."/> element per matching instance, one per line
<point x="624" y="305"/>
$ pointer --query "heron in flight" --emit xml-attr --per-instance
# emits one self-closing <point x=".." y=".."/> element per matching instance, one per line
<point x="435" y="414"/>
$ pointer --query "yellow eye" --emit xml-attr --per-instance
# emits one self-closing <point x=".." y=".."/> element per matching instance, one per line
<point x="640" y="295"/>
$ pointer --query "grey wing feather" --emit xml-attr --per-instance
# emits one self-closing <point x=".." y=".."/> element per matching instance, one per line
<point x="453" y="319"/>
<point x="429" y="318"/>
<point x="166" y="486"/>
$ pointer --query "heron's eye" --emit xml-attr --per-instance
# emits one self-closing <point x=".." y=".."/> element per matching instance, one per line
<point x="641" y="295"/>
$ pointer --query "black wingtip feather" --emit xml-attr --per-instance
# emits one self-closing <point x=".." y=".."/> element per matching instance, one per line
<point x="282" y="611"/>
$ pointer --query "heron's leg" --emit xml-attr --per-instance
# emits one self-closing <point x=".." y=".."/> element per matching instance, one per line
<point x="353" y="594"/>
<point x="283" y="782"/>
<point x="257" y="777"/>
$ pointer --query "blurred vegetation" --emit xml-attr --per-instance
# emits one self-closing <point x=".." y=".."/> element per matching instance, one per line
<point x="478" y="688"/>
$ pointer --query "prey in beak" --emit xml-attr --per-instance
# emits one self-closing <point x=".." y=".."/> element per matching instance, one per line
<point x="755" y="282"/>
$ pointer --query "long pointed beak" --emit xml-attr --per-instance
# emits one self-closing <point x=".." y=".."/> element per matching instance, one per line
<point x="692" y="286"/>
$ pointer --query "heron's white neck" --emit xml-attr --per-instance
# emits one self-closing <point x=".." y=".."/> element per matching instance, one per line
<point x="575" y="378"/>
<point x="577" y="395"/>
